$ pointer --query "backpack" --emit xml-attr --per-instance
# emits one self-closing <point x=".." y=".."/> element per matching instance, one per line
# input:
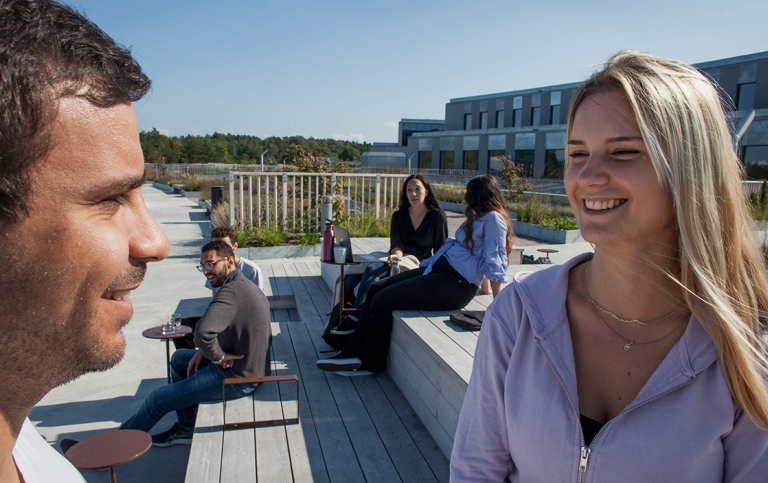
<point x="334" y="340"/>
<point x="337" y="341"/>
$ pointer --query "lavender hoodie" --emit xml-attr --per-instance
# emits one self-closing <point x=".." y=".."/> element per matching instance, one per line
<point x="520" y="419"/>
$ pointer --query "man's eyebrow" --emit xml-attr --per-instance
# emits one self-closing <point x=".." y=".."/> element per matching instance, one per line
<point x="120" y="185"/>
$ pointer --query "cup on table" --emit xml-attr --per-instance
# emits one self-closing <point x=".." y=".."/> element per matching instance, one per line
<point x="176" y="321"/>
<point x="165" y="325"/>
<point x="340" y="254"/>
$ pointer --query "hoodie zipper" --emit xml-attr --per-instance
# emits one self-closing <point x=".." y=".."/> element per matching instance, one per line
<point x="586" y="450"/>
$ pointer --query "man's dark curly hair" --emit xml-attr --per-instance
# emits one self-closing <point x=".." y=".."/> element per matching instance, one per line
<point x="48" y="52"/>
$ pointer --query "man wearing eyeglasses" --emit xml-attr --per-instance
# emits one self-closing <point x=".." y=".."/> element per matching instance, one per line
<point x="249" y="269"/>
<point x="233" y="340"/>
<point x="228" y="235"/>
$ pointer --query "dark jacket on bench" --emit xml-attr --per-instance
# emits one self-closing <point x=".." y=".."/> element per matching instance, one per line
<point x="237" y="322"/>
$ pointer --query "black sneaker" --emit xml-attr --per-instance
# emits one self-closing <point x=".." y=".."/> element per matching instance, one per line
<point x="347" y="325"/>
<point x="66" y="444"/>
<point x="172" y="437"/>
<point x="339" y="362"/>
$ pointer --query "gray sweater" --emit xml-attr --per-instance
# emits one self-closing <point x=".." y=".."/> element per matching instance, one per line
<point x="237" y="322"/>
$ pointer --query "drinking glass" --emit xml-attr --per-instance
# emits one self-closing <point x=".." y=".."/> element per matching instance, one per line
<point x="176" y="321"/>
<point x="165" y="324"/>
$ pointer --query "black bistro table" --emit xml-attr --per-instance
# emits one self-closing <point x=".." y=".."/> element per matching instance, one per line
<point x="341" y="287"/>
<point x="157" y="333"/>
<point x="547" y="251"/>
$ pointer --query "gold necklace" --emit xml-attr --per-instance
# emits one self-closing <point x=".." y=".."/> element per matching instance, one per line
<point x="622" y="319"/>
<point x="627" y="343"/>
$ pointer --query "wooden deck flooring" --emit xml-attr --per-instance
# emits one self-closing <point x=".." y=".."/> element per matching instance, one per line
<point x="350" y="430"/>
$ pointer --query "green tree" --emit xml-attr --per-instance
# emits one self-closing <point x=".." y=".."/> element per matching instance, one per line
<point x="348" y="153"/>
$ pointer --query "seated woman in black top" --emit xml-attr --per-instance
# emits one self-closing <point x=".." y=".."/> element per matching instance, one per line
<point x="419" y="228"/>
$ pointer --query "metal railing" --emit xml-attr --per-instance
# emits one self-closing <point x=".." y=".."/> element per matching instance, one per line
<point x="293" y="201"/>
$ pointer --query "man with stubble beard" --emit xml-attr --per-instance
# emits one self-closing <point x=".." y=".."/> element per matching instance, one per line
<point x="75" y="232"/>
<point x="233" y="340"/>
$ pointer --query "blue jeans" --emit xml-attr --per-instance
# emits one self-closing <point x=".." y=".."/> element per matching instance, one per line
<point x="183" y="394"/>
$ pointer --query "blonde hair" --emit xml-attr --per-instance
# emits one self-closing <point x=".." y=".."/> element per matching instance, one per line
<point x="683" y="123"/>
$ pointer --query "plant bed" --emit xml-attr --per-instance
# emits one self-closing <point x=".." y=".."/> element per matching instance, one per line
<point x="551" y="235"/>
<point x="453" y="207"/>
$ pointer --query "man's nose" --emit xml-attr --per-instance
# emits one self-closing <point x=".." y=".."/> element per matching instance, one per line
<point x="148" y="242"/>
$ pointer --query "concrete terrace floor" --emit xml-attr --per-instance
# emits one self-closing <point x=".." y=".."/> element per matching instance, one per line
<point x="100" y="401"/>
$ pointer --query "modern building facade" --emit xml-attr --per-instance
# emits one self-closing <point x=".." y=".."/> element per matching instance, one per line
<point x="388" y="155"/>
<point x="529" y="125"/>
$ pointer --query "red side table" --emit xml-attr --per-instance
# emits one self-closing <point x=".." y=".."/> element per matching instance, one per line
<point x="108" y="450"/>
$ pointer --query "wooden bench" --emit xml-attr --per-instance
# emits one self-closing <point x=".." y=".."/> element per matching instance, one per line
<point x="350" y="429"/>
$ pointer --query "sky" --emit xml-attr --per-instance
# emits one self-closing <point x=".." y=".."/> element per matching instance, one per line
<point x="351" y="69"/>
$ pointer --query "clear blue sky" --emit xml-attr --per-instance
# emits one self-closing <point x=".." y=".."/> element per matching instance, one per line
<point x="352" y="69"/>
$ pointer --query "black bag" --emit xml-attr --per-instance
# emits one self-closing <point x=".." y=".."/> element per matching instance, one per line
<point x="469" y="319"/>
<point x="338" y="340"/>
<point x="334" y="340"/>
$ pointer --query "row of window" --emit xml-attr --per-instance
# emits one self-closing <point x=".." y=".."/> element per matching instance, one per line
<point x="517" y="118"/>
<point x="554" y="161"/>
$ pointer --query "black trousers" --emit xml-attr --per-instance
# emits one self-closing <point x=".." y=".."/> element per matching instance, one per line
<point x="442" y="289"/>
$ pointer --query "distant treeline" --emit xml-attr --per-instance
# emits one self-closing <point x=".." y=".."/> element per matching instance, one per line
<point x="241" y="149"/>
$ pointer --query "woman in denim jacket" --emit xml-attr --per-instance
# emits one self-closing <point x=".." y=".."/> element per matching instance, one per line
<point x="446" y="281"/>
<point x="645" y="361"/>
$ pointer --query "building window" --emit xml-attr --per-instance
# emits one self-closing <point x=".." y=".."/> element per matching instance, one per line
<point x="745" y="96"/>
<point x="446" y="159"/>
<point x="494" y="163"/>
<point x="425" y="159"/>
<point x="517" y="117"/>
<point x="535" y="116"/>
<point x="756" y="161"/>
<point x="499" y="119"/>
<point x="554" y="163"/>
<point x="467" y="122"/>
<point x="525" y="157"/>
<point x="470" y="159"/>
<point x="483" y="120"/>
<point x="554" y="115"/>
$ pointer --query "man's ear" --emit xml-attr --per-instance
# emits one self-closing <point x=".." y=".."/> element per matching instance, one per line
<point x="234" y="246"/>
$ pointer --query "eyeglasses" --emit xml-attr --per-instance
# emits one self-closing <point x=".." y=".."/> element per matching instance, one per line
<point x="209" y="265"/>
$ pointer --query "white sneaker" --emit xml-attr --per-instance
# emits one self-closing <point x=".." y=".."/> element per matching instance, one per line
<point x="353" y="373"/>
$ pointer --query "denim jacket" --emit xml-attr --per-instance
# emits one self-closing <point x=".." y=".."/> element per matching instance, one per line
<point x="489" y="254"/>
<point x="520" y="418"/>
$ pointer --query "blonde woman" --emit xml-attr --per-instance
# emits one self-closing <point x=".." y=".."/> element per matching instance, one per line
<point x="645" y="361"/>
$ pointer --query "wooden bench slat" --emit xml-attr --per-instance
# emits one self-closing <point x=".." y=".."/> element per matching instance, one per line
<point x="426" y="444"/>
<point x="405" y="454"/>
<point x="238" y="452"/>
<point x="273" y="462"/>
<point x="307" y="462"/>
<point x="204" y="463"/>
<point x="335" y="443"/>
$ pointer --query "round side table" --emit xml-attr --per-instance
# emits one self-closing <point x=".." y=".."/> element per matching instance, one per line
<point x="108" y="450"/>
<point x="157" y="333"/>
